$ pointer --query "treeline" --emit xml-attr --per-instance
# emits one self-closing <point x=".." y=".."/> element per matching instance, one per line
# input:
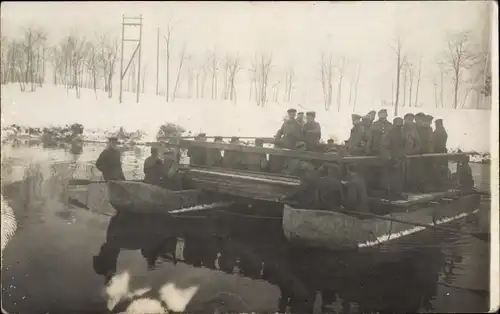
<point x="76" y="62"/>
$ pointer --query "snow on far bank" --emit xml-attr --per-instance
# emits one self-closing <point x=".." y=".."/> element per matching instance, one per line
<point x="468" y="130"/>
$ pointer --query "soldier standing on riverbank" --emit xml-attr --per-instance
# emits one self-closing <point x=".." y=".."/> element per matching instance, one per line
<point x="109" y="161"/>
<point x="153" y="168"/>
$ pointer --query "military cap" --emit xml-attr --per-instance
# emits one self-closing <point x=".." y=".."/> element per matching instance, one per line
<point x="355" y="116"/>
<point x="420" y="115"/>
<point x="438" y="120"/>
<point x="397" y="121"/>
<point x="372" y="111"/>
<point x="330" y="141"/>
<point x="300" y="113"/>
<point x="311" y="113"/>
<point x="429" y="117"/>
<point x="291" y="110"/>
<point x="382" y="111"/>
<point x="409" y="115"/>
<point x="366" y="117"/>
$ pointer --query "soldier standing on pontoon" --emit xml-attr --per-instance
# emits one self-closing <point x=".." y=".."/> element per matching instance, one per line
<point x="290" y="131"/>
<point x="109" y="161"/>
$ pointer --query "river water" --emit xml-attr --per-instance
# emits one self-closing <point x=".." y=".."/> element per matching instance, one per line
<point x="62" y="258"/>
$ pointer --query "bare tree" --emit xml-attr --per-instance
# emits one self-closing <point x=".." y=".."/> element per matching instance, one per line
<point x="340" y="70"/>
<point x="326" y="71"/>
<point x="143" y="77"/>
<point x="181" y="62"/>
<point x="92" y="62"/>
<point x="225" y="65"/>
<point x="263" y="78"/>
<point x="411" y="73"/>
<point x="358" y="73"/>
<point x="168" y="41"/>
<point x="234" y="68"/>
<point x="214" y="69"/>
<point x="405" y="69"/>
<point x="459" y="57"/>
<point x="398" y="47"/>
<point x="290" y="75"/>
<point x="418" y="81"/>
<point x="108" y="55"/>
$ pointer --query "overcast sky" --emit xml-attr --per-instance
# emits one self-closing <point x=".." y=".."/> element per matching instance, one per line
<point x="295" y="32"/>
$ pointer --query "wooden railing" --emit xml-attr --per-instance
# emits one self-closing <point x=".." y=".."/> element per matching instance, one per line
<point x="308" y="155"/>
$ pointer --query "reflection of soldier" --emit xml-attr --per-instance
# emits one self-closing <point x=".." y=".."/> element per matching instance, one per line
<point x="132" y="232"/>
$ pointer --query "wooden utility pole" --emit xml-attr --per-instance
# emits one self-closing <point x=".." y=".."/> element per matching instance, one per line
<point x="131" y="21"/>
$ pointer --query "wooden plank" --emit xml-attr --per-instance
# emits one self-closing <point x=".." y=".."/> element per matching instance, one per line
<point x="414" y="199"/>
<point x="308" y="155"/>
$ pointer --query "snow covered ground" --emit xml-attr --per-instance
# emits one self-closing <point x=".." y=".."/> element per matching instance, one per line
<point x="468" y="130"/>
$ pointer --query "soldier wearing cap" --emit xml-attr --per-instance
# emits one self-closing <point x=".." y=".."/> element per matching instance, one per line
<point x="355" y="142"/>
<point x="255" y="161"/>
<point x="233" y="159"/>
<point x="290" y="131"/>
<point x="300" y="118"/>
<point x="424" y="132"/>
<point x="376" y="133"/>
<point x="109" y="161"/>
<point x="214" y="156"/>
<point x="311" y="131"/>
<point x="367" y="123"/>
<point x="154" y="168"/>
<point x="394" y="153"/>
<point x="198" y="155"/>
<point x="412" y="139"/>
<point x="440" y="137"/>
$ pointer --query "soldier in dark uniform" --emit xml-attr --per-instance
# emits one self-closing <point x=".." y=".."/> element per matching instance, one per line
<point x="412" y="147"/>
<point x="154" y="168"/>
<point x="439" y="138"/>
<point x="424" y="167"/>
<point x="109" y="161"/>
<point x="372" y="114"/>
<point x="373" y="146"/>
<point x="214" y="156"/>
<point x="233" y="159"/>
<point x="376" y="133"/>
<point x="291" y="131"/>
<point x="256" y="161"/>
<point x="311" y="131"/>
<point x="198" y="155"/>
<point x="367" y="123"/>
<point x="356" y="142"/>
<point x="300" y="118"/>
<point x="394" y="155"/>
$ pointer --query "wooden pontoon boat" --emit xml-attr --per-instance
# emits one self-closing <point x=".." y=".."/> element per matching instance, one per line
<point x="332" y="229"/>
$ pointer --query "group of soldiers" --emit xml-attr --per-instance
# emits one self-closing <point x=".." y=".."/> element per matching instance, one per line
<point x="393" y="142"/>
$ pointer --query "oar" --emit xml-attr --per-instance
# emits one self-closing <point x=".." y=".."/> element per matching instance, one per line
<point x="484" y="236"/>
<point x="87" y="182"/>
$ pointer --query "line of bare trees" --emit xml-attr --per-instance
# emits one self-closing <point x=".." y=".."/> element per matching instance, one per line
<point x="76" y="61"/>
<point x="463" y="63"/>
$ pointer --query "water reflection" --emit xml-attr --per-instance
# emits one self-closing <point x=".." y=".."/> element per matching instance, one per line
<point x="309" y="280"/>
<point x="246" y="261"/>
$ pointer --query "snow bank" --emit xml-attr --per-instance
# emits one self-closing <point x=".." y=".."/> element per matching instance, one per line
<point x="468" y="130"/>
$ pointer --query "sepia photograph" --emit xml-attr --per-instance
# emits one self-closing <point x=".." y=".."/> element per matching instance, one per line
<point x="249" y="157"/>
